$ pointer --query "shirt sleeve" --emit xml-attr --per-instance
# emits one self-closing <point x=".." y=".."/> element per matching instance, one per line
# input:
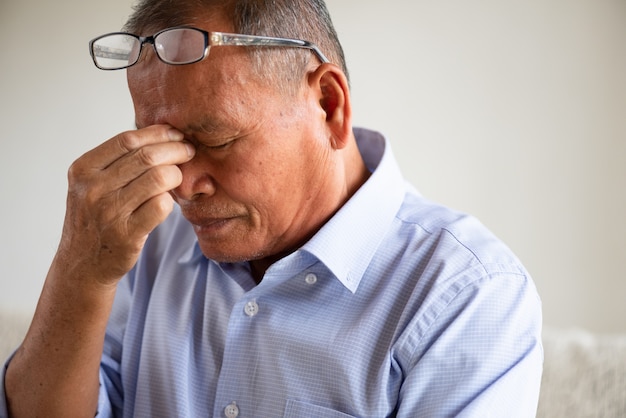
<point x="480" y="357"/>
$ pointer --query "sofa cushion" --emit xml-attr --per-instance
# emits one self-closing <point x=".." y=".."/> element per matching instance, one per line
<point x="584" y="375"/>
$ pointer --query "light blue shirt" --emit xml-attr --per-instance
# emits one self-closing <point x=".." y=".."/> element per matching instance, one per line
<point x="396" y="307"/>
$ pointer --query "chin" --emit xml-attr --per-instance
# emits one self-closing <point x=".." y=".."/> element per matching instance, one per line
<point x="224" y="254"/>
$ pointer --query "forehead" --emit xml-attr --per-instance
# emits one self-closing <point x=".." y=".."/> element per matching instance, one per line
<point x="206" y="15"/>
<point x="224" y="84"/>
<point x="219" y="91"/>
<point x="202" y="96"/>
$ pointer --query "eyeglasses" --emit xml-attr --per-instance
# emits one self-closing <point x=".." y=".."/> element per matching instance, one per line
<point x="178" y="46"/>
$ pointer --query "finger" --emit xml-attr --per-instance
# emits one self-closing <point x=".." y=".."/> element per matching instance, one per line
<point x="152" y="183"/>
<point x="151" y="213"/>
<point x="120" y="145"/>
<point x="134" y="164"/>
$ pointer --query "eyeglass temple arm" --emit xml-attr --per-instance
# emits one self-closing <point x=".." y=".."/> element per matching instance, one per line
<point x="220" y="38"/>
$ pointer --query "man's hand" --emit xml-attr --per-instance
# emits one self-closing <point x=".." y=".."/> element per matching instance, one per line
<point x="118" y="193"/>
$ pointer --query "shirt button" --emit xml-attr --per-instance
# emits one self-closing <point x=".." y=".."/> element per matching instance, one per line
<point x="251" y="308"/>
<point x="310" y="278"/>
<point x="231" y="411"/>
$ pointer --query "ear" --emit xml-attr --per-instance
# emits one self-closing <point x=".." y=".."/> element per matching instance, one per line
<point x="330" y="87"/>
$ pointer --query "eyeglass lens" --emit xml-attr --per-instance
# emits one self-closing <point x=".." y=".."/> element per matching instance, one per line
<point x="180" y="46"/>
<point x="174" y="46"/>
<point x="115" y="51"/>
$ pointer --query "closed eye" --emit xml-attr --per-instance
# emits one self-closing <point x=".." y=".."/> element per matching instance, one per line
<point x="221" y="146"/>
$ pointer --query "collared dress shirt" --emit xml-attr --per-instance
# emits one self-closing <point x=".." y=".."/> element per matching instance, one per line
<point x="397" y="307"/>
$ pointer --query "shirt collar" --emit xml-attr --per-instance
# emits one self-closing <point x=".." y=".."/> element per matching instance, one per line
<point x="348" y="241"/>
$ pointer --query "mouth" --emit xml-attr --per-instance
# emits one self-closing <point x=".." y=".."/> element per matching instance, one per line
<point x="206" y="224"/>
<point x="213" y="220"/>
<point x="211" y="225"/>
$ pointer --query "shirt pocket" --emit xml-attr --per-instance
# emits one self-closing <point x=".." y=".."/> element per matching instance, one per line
<point x="297" y="409"/>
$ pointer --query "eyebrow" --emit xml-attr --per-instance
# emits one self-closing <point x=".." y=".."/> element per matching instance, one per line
<point x="209" y="126"/>
<point x="219" y="126"/>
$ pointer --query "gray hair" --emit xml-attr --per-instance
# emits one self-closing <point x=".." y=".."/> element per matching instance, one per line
<point x="299" y="19"/>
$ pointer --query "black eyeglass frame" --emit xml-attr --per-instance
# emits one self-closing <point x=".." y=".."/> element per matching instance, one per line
<point x="210" y="39"/>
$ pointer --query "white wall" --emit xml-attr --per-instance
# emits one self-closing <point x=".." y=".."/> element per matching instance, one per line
<point x="514" y="111"/>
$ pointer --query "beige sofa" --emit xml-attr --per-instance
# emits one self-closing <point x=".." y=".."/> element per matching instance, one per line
<point x="584" y="374"/>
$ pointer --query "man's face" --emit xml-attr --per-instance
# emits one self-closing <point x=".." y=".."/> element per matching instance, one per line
<point x="256" y="186"/>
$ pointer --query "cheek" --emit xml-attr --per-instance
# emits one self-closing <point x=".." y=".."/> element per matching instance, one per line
<point x="269" y="187"/>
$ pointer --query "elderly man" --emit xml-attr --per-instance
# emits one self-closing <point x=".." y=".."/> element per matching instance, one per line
<point x="247" y="252"/>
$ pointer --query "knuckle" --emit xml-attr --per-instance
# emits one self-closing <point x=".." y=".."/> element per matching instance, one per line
<point x="146" y="157"/>
<point x="164" y="203"/>
<point x="75" y="171"/>
<point x="129" y="141"/>
<point x="91" y="197"/>
<point x="163" y="177"/>
<point x="81" y="187"/>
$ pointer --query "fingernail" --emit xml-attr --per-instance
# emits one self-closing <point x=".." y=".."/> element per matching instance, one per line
<point x="175" y="134"/>
<point x="191" y="150"/>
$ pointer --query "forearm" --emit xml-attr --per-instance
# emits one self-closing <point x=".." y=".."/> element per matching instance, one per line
<point x="55" y="371"/>
<point x="118" y="193"/>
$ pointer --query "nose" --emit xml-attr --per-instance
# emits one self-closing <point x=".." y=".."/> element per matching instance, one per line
<point x="197" y="181"/>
